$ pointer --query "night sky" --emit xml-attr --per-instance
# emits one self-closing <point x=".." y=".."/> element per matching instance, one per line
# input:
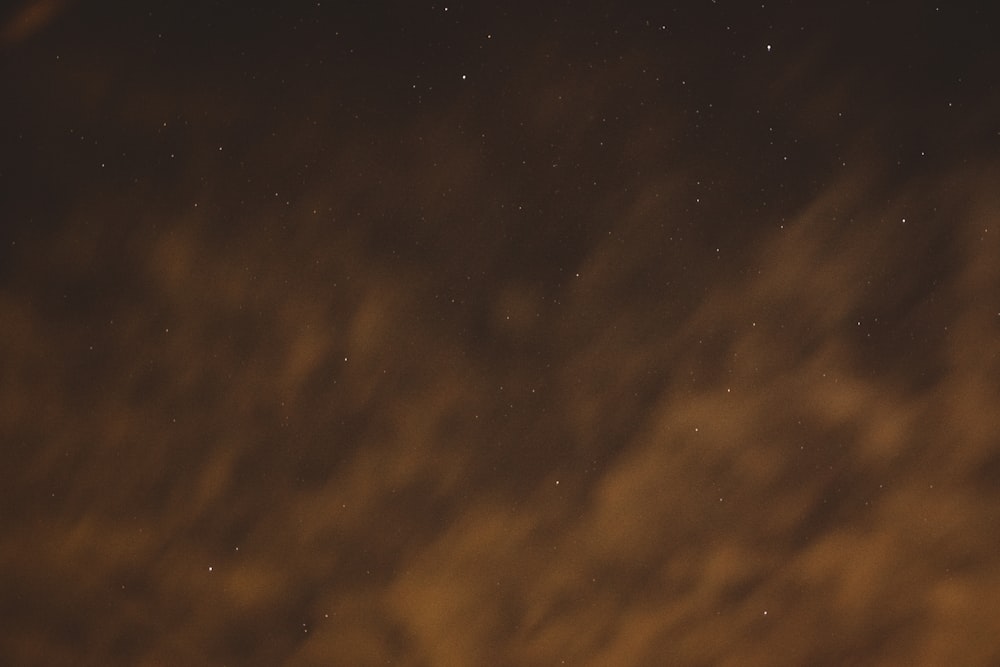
<point x="527" y="334"/>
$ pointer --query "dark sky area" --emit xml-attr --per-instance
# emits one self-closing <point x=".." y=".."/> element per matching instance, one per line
<point x="527" y="334"/>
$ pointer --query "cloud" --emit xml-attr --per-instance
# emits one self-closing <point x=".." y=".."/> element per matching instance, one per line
<point x="423" y="408"/>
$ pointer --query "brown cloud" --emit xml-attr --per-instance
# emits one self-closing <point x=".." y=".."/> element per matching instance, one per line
<point x="427" y="408"/>
<point x="30" y="19"/>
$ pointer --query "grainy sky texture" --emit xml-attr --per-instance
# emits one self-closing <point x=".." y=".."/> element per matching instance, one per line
<point x="570" y="333"/>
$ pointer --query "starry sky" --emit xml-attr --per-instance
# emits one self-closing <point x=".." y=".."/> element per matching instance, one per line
<point x="584" y="333"/>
